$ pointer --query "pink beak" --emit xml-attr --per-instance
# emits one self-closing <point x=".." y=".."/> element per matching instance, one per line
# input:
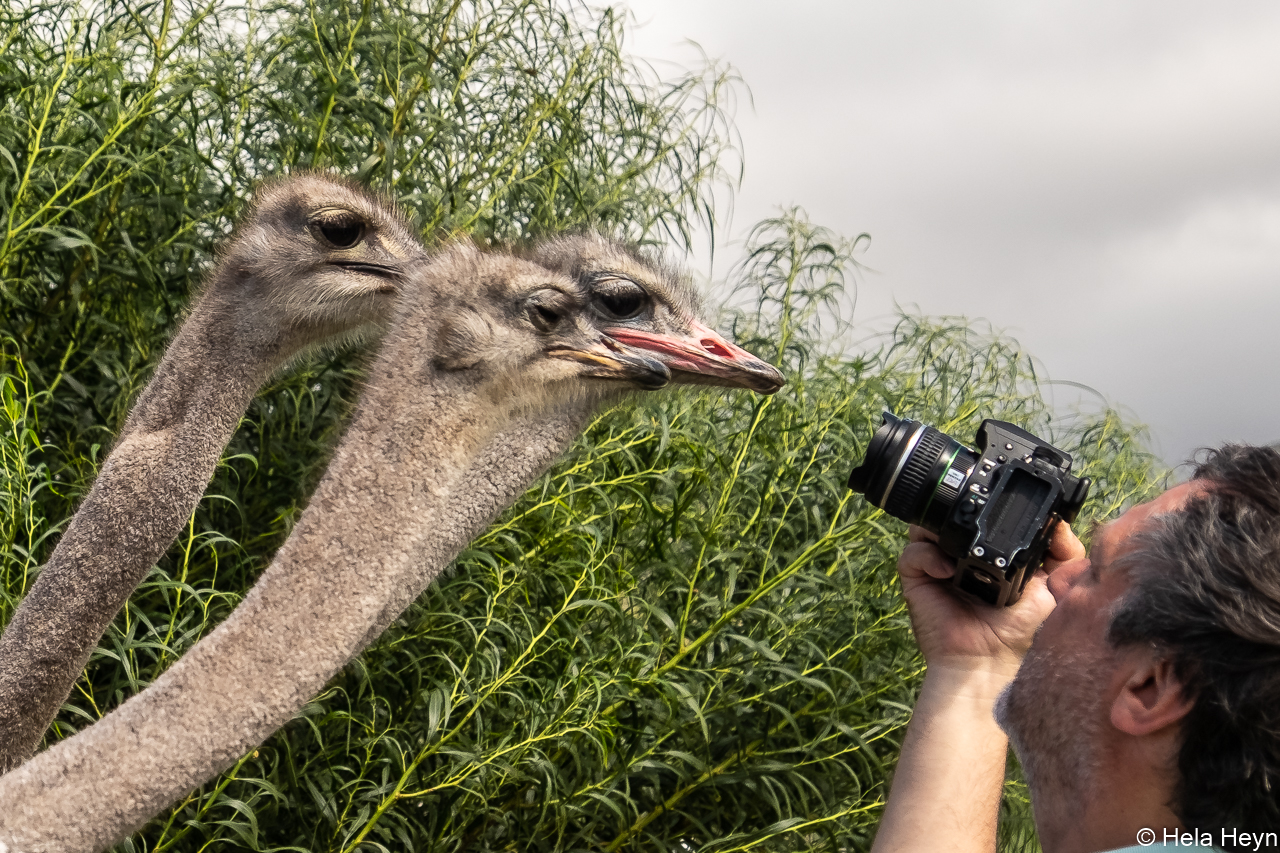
<point x="704" y="358"/>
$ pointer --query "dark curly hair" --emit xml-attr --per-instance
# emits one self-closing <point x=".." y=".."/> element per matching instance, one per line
<point x="1206" y="589"/>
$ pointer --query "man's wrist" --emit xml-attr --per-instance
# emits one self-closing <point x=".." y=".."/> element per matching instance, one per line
<point x="972" y="673"/>
<point x="963" y="688"/>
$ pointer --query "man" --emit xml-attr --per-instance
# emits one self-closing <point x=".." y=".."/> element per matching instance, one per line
<point x="1145" y="708"/>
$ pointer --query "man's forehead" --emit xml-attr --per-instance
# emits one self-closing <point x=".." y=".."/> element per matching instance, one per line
<point x="1110" y="537"/>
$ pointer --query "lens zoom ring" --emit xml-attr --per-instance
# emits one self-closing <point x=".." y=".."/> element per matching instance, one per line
<point x="913" y="480"/>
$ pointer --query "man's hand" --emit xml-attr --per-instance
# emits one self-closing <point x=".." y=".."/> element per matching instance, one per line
<point x="955" y="632"/>
<point x="946" y="788"/>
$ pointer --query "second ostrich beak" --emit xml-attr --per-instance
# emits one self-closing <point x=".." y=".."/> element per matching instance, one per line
<point x="610" y="360"/>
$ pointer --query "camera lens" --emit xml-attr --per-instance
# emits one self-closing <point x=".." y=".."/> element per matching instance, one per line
<point x="913" y="471"/>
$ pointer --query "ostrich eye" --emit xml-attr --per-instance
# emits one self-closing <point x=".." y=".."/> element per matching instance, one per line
<point x="620" y="299"/>
<point x="342" y="230"/>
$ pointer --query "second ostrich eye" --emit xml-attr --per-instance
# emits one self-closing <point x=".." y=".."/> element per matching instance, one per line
<point x="546" y="308"/>
<point x="341" y="232"/>
<point x="619" y="299"/>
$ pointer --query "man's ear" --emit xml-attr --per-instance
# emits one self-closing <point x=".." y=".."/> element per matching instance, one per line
<point x="1151" y="697"/>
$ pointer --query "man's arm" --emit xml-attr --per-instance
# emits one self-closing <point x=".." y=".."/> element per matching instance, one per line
<point x="946" y="789"/>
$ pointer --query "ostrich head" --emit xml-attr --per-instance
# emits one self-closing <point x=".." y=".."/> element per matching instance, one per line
<point x="316" y="256"/>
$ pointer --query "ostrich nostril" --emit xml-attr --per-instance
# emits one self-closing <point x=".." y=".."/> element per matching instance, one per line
<point x="715" y="348"/>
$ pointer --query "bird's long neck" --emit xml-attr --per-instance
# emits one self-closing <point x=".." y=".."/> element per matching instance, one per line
<point x="144" y="493"/>
<point x="419" y="474"/>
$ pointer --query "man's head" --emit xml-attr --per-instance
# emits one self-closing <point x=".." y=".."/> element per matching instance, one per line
<point x="1164" y="649"/>
<point x="1205" y="590"/>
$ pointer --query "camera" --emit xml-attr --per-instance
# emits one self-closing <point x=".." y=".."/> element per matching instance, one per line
<point x="993" y="509"/>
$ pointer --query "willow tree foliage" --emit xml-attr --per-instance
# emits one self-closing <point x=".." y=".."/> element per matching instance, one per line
<point x="688" y="636"/>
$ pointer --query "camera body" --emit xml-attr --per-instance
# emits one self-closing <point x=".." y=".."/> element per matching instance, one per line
<point x="992" y="508"/>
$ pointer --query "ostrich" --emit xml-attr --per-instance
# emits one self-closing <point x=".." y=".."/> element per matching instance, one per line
<point x="317" y="258"/>
<point x="493" y="364"/>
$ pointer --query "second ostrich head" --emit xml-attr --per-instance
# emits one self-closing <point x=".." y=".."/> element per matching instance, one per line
<point x="584" y="317"/>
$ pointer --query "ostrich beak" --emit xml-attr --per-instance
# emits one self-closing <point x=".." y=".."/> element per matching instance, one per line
<point x="703" y="357"/>
<point x="607" y="360"/>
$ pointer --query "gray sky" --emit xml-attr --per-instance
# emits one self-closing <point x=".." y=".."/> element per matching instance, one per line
<point x="1099" y="179"/>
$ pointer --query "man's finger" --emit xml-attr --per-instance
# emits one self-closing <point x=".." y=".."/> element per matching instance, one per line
<point x="924" y="559"/>
<point x="918" y="534"/>
<point x="1064" y="545"/>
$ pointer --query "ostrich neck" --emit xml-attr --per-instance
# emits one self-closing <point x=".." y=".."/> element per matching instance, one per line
<point x="417" y="477"/>
<point x="144" y="493"/>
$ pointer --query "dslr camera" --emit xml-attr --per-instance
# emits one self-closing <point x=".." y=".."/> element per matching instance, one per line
<point x="992" y="508"/>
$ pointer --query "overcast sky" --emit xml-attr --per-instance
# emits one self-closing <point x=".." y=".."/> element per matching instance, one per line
<point x="1100" y="179"/>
